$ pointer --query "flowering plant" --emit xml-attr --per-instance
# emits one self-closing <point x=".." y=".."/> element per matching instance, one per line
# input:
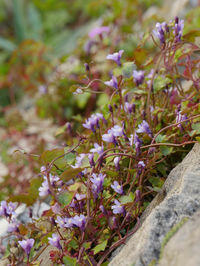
<point x="100" y="185"/>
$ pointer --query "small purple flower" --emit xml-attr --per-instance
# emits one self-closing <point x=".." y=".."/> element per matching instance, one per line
<point x="98" y="31"/>
<point x="116" y="163"/>
<point x="97" y="148"/>
<point x="137" y="143"/>
<point x="180" y="118"/>
<point x="116" y="57"/>
<point x="69" y="222"/>
<point x="55" y="241"/>
<point x="97" y="183"/>
<point x="144" y="128"/>
<point x="117" y="131"/>
<point x="103" y="210"/>
<point x="160" y="31"/>
<point x="129" y="107"/>
<point x="112" y="83"/>
<point x="27" y="245"/>
<point x="117" y="188"/>
<point x="91" y="159"/>
<point x="109" y="137"/>
<point x="137" y="195"/>
<point x="79" y="221"/>
<point x="43" y="170"/>
<point x="138" y="76"/>
<point x="13" y="226"/>
<point x="131" y="140"/>
<point x="60" y="221"/>
<point x="44" y="189"/>
<point x="93" y="121"/>
<point x="118" y="208"/>
<point x="79" y="160"/>
<point x="80" y="196"/>
<point x="141" y="164"/>
<point x="7" y="209"/>
<point x="178" y="29"/>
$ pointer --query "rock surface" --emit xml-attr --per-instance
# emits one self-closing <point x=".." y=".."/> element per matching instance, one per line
<point x="180" y="197"/>
<point x="187" y="250"/>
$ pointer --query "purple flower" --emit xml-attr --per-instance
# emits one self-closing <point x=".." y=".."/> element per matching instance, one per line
<point x="79" y="221"/>
<point x="93" y="121"/>
<point x="129" y="107"/>
<point x="178" y="29"/>
<point x="102" y="208"/>
<point x="180" y="118"/>
<point x="97" y="183"/>
<point x="117" y="131"/>
<point x="112" y="83"/>
<point x="131" y="140"/>
<point x="91" y="159"/>
<point x="118" y="208"/>
<point x="137" y="143"/>
<point x="137" y="195"/>
<point x="97" y="31"/>
<point x="60" y="221"/>
<point x="79" y="160"/>
<point x="27" y="245"/>
<point x="141" y="164"/>
<point x="55" y="241"/>
<point x="116" y="163"/>
<point x="109" y="137"/>
<point x="144" y="128"/>
<point x="116" y="57"/>
<point x="80" y="196"/>
<point x="160" y="31"/>
<point x="44" y="189"/>
<point x="117" y="188"/>
<point x="97" y="148"/>
<point x="69" y="222"/>
<point x="13" y="226"/>
<point x="138" y="77"/>
<point x="7" y="209"/>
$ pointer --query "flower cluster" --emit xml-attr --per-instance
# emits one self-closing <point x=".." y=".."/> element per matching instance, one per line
<point x="93" y="122"/>
<point x="44" y="190"/>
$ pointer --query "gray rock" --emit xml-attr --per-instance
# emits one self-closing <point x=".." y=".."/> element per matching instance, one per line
<point x="180" y="197"/>
<point x="183" y="248"/>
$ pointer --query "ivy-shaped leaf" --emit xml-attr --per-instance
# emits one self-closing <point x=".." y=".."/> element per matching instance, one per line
<point x="100" y="247"/>
<point x="65" y="198"/>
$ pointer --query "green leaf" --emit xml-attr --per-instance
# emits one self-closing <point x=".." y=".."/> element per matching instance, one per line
<point x="82" y="99"/>
<point x="190" y="36"/>
<point x="87" y="245"/>
<point x="156" y="181"/>
<point x="70" y="173"/>
<point x="35" y="23"/>
<point x="65" y="198"/>
<point x="196" y="127"/>
<point x="100" y="247"/>
<point x="160" y="83"/>
<point x="7" y="45"/>
<point x="69" y="261"/>
<point x="127" y="69"/>
<point x="49" y="155"/>
<point x="112" y="173"/>
<point x="70" y="158"/>
<point x="160" y="138"/>
<point x="198" y="139"/>
<point x="127" y="199"/>
<point x="165" y="150"/>
<point x="20" y="23"/>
